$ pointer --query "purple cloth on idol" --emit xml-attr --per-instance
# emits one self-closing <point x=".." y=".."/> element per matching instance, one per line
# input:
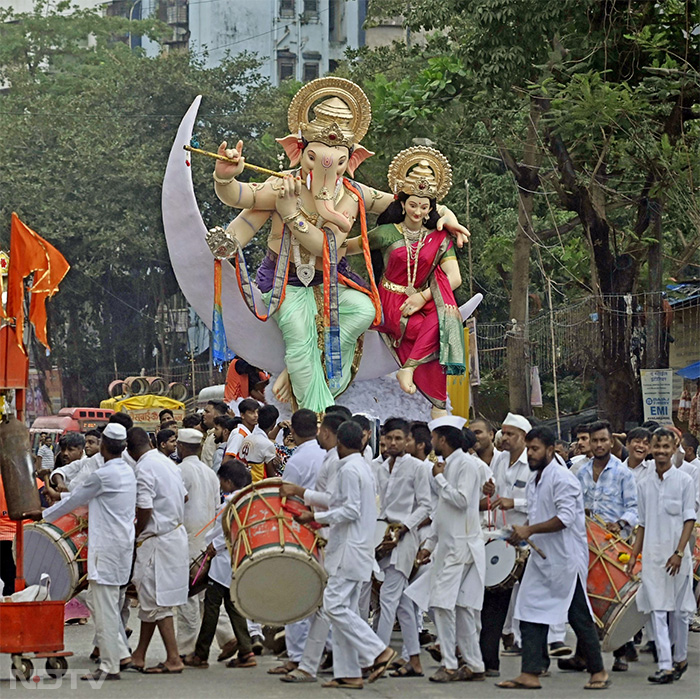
<point x="266" y="274"/>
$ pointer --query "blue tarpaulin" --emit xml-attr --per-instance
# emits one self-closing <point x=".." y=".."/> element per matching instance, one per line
<point x="692" y="371"/>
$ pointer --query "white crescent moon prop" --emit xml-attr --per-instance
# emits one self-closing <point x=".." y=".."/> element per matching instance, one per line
<point x="259" y="343"/>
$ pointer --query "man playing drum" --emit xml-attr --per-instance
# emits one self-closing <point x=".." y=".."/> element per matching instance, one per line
<point x="609" y="491"/>
<point x="553" y="587"/>
<point x="110" y="493"/>
<point x="349" y="556"/>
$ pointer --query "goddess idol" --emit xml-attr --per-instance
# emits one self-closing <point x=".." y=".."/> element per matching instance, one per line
<point x="418" y="273"/>
<point x="321" y="307"/>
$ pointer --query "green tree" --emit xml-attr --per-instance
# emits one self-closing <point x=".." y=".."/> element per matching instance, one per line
<point x="87" y="126"/>
<point x="591" y="108"/>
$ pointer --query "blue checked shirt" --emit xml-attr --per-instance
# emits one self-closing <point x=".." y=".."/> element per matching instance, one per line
<point x="614" y="496"/>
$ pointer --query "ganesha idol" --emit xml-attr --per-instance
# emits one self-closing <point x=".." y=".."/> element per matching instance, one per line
<point x="304" y="283"/>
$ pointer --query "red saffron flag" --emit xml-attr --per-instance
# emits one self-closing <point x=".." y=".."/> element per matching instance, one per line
<point x="29" y="253"/>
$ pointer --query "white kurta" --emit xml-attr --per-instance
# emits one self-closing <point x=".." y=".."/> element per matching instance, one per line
<point x="692" y="468"/>
<point x="456" y="538"/>
<point x="77" y="471"/>
<point x="202" y="487"/>
<point x="404" y="497"/>
<point x="664" y="506"/>
<point x="208" y="449"/>
<point x="110" y="493"/>
<point x="548" y="585"/>
<point x="349" y="553"/>
<point x="320" y="496"/>
<point x="162" y="557"/>
<point x="304" y="464"/>
<point x="220" y="568"/>
<point x="511" y="482"/>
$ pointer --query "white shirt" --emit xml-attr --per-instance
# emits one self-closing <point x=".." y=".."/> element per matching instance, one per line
<point x="220" y="568"/>
<point x="202" y="487"/>
<point x="577" y="462"/>
<point x="641" y="471"/>
<point x="548" y="585"/>
<point x="77" y="471"/>
<point x="496" y="454"/>
<point x="45" y="453"/>
<point x="692" y="468"/>
<point x="208" y="449"/>
<point x="235" y="439"/>
<point x="320" y="496"/>
<point x="160" y="488"/>
<point x="664" y="506"/>
<point x="110" y="493"/>
<point x="351" y="515"/>
<point x="257" y="449"/>
<point x="305" y="464"/>
<point x="404" y="497"/>
<point x="511" y="482"/>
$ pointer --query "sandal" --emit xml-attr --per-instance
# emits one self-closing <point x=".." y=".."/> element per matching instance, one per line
<point x="406" y="670"/>
<point x="379" y="668"/>
<point x="598" y="684"/>
<point x="298" y="676"/>
<point x="161" y="669"/>
<point x="193" y="660"/>
<point x="443" y="675"/>
<point x="514" y="684"/>
<point x="283" y="669"/>
<point x="247" y="660"/>
<point x="341" y="683"/>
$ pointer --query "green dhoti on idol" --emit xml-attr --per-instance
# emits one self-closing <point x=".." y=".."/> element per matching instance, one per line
<point x="321" y="307"/>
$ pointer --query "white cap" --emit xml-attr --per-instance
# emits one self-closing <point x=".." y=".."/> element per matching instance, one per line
<point x="115" y="431"/>
<point x="447" y="421"/>
<point x="189" y="435"/>
<point x="518" y="421"/>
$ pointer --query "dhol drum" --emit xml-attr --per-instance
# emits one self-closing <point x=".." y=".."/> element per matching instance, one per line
<point x="611" y="591"/>
<point x="199" y="574"/>
<point x="277" y="575"/>
<point x="59" y="549"/>
<point x="505" y="563"/>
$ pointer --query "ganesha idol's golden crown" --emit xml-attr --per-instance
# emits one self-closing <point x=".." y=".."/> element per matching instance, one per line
<point x="341" y="114"/>
<point x="420" y="171"/>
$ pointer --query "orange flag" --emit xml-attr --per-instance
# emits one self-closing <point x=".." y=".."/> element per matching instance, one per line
<point x="31" y="253"/>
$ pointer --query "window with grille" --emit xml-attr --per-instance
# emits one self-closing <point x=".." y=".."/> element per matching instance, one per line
<point x="286" y="8"/>
<point x="310" y="71"/>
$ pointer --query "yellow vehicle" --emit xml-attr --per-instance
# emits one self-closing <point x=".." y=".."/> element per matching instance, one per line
<point x="144" y="410"/>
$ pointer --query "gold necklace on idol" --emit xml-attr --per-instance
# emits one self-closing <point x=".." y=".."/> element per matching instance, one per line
<point x="412" y="238"/>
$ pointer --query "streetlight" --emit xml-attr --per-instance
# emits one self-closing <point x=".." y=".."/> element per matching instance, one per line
<point x="131" y="17"/>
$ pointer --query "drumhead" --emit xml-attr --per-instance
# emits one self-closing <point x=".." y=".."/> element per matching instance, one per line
<point x="278" y="588"/>
<point x="500" y="561"/>
<point x="46" y="552"/>
<point x="623" y="625"/>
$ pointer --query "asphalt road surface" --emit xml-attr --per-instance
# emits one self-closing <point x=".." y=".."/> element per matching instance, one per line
<point x="219" y="681"/>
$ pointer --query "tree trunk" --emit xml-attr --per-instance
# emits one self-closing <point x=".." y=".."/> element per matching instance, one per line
<point x="654" y="310"/>
<point x="517" y="341"/>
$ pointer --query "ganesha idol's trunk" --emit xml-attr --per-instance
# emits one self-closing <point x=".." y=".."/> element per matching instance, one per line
<point x="323" y="190"/>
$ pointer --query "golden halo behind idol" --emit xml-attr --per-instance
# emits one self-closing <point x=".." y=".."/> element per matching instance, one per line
<point x="420" y="171"/>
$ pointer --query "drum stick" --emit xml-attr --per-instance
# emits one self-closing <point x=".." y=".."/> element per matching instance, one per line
<point x="209" y="154"/>
<point x="535" y="548"/>
<point x="196" y="577"/>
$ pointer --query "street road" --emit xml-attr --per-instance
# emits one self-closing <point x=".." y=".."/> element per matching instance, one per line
<point x="219" y="681"/>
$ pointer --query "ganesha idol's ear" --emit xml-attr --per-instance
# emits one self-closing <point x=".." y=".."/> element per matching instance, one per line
<point x="292" y="147"/>
<point x="359" y="154"/>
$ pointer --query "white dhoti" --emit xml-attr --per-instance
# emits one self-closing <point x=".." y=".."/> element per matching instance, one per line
<point x="106" y="603"/>
<point x="161" y="574"/>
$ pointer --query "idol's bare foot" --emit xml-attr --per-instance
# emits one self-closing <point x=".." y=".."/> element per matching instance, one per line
<point x="405" y="379"/>
<point x="282" y="388"/>
<point x="435" y="413"/>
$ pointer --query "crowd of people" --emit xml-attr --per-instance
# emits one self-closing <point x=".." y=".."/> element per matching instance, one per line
<point x="406" y="533"/>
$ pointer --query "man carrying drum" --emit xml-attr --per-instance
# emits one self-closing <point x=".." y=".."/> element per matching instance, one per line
<point x="110" y="493"/>
<point x="610" y="492"/>
<point x="553" y="587"/>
